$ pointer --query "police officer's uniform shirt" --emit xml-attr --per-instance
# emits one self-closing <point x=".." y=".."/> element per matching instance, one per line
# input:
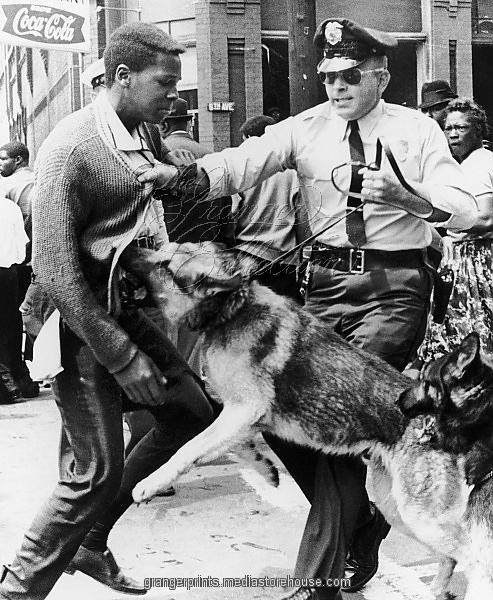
<point x="134" y="146"/>
<point x="315" y="141"/>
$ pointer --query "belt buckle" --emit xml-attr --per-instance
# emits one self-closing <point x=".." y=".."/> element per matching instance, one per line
<point x="356" y="261"/>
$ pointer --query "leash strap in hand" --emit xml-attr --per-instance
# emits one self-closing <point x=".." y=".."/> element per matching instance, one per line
<point x="428" y="208"/>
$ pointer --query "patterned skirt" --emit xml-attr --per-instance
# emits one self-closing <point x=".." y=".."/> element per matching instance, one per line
<point x="471" y="304"/>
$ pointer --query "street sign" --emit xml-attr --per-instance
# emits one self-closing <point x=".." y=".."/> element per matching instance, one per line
<point x="221" y="107"/>
<point x="49" y="24"/>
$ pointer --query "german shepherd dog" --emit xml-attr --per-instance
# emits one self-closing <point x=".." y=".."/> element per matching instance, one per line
<point x="279" y="369"/>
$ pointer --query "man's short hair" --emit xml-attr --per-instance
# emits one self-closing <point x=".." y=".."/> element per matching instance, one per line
<point x="137" y="46"/>
<point x="14" y="149"/>
<point x="255" y="126"/>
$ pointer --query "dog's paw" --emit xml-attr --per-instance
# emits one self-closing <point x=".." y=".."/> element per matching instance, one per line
<point x="145" y="491"/>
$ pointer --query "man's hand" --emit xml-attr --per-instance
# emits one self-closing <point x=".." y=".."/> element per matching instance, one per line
<point x="161" y="175"/>
<point x="142" y="381"/>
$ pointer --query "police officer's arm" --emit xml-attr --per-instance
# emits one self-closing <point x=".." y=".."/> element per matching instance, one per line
<point x="233" y="169"/>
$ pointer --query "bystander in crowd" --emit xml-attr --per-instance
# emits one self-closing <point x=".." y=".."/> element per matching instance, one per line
<point x="13" y="240"/>
<point x="17" y="183"/>
<point x="468" y="255"/>
<point x="435" y="96"/>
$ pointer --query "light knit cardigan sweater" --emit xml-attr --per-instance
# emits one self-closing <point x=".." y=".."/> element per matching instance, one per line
<point x="86" y="202"/>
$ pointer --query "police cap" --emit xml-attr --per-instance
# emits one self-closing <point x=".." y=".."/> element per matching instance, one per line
<point x="346" y="44"/>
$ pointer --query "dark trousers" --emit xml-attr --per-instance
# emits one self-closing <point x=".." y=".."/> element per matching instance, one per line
<point x="93" y="479"/>
<point x="385" y="313"/>
<point x="10" y="321"/>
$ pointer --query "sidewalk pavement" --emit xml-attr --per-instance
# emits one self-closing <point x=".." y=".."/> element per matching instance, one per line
<point x="224" y="521"/>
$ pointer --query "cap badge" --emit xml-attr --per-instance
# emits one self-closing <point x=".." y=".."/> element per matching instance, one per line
<point x="333" y="32"/>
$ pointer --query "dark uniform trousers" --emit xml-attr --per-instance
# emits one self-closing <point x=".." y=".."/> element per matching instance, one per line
<point x="93" y="478"/>
<point x="383" y="311"/>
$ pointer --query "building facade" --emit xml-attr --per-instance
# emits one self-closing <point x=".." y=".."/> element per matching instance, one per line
<point x="242" y="59"/>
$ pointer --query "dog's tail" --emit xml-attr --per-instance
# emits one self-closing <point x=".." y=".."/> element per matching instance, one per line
<point x="262" y="463"/>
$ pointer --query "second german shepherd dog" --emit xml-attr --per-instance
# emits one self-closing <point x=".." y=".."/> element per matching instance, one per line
<point x="279" y="369"/>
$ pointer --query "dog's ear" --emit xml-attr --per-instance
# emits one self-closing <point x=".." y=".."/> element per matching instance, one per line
<point x="414" y="401"/>
<point x="459" y="362"/>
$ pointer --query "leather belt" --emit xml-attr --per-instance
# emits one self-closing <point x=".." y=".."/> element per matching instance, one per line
<point x="354" y="260"/>
<point x="145" y="241"/>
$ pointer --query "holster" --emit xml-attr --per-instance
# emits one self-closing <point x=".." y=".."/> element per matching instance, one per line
<point x="443" y="284"/>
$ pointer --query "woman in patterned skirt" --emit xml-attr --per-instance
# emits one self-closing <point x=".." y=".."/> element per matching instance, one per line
<point x="469" y="255"/>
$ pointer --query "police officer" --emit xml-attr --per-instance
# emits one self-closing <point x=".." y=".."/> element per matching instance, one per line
<point x="370" y="277"/>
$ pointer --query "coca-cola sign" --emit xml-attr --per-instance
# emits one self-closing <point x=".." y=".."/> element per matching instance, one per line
<point x="62" y="24"/>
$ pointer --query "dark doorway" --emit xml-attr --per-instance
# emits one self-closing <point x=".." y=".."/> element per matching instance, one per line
<point x="482" y="59"/>
<point x="275" y="74"/>
<point x="403" y="81"/>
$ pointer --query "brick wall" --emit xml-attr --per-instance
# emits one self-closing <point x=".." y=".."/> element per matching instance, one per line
<point x="451" y="22"/>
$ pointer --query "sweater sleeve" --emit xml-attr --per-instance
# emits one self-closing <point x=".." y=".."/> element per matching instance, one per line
<point x="60" y="211"/>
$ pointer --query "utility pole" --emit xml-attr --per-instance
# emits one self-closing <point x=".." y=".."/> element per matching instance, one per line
<point x="303" y="85"/>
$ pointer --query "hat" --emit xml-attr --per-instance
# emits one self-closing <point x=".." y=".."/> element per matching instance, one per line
<point x="434" y="93"/>
<point x="347" y="44"/>
<point x="93" y="75"/>
<point x="179" y="110"/>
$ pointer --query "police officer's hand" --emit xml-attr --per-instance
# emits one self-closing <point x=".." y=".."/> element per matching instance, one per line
<point x="142" y="381"/>
<point x="180" y="158"/>
<point x="381" y="187"/>
<point x="161" y="175"/>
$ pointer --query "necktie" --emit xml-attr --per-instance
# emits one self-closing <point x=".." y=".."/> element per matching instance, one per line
<point x="355" y="225"/>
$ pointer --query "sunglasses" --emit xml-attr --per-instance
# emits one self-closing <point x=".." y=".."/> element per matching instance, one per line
<point x="350" y="76"/>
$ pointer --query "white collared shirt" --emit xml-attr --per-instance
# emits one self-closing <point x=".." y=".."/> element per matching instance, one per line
<point x="315" y="141"/>
<point x="137" y="153"/>
<point x="13" y="238"/>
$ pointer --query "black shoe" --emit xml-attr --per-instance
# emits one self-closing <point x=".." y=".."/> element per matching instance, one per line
<point x="9" y="392"/>
<point x="102" y="567"/>
<point x="362" y="559"/>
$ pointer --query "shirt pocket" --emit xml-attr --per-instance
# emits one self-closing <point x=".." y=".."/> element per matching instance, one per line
<point x="407" y="156"/>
